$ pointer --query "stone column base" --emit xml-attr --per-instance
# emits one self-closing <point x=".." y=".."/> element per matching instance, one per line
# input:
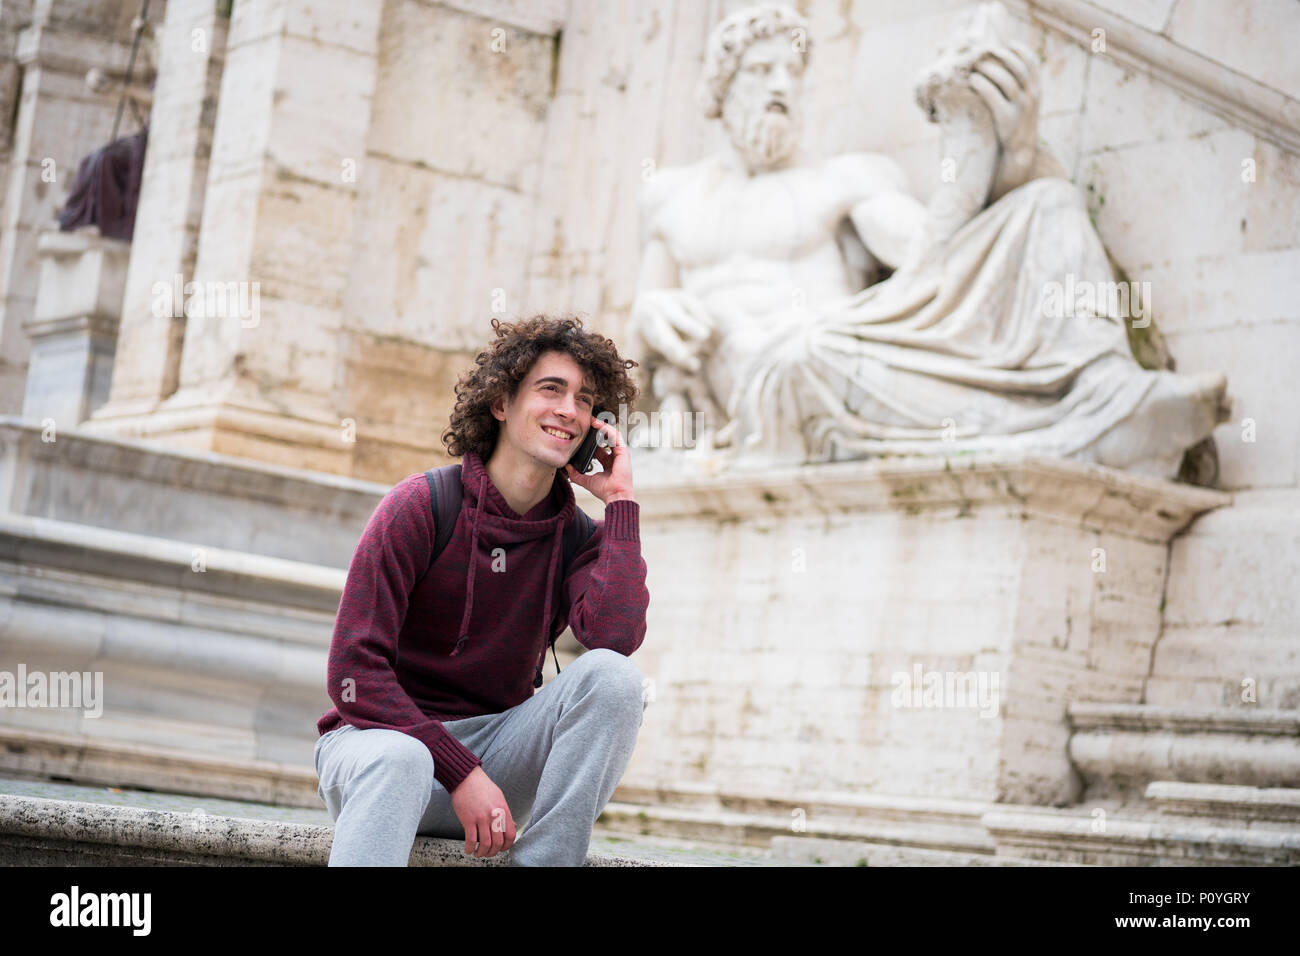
<point x="230" y="429"/>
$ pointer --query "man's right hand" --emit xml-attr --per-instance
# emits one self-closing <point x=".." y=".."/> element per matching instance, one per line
<point x="482" y="810"/>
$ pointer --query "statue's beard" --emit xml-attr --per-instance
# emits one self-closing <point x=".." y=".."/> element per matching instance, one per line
<point x="765" y="137"/>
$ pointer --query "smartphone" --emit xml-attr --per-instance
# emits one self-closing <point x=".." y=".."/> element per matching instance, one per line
<point x="581" y="460"/>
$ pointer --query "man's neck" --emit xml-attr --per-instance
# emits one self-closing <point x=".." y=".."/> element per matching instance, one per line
<point x="522" y="482"/>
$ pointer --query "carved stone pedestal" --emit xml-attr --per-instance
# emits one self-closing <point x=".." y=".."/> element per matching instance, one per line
<point x="913" y="628"/>
<point x="73" y="329"/>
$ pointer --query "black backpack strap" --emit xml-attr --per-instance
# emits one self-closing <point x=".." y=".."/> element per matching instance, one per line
<point x="575" y="536"/>
<point x="445" y="494"/>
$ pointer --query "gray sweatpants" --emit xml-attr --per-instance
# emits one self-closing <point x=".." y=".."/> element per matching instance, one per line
<point x="557" y="758"/>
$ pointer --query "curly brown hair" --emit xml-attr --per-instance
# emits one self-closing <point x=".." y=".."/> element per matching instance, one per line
<point x="501" y="367"/>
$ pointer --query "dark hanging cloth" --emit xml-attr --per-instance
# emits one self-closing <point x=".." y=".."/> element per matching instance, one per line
<point x="107" y="188"/>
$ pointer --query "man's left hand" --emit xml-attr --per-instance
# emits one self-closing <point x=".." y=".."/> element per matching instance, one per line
<point x="615" y="482"/>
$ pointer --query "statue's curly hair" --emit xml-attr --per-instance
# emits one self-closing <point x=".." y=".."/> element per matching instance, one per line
<point x="732" y="37"/>
<point x="501" y="367"/>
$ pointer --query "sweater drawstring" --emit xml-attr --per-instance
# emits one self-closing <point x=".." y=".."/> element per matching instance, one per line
<point x="473" y="565"/>
<point x="546" y="614"/>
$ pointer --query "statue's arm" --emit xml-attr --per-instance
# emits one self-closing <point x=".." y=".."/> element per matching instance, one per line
<point x="889" y="223"/>
<point x="897" y="228"/>
<point x="988" y="133"/>
<point x="884" y="217"/>
<point x="658" y="270"/>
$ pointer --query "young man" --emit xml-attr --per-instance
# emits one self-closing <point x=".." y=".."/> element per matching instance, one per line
<point x="436" y="727"/>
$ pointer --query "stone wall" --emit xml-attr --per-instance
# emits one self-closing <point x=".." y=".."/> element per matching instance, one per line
<point x="1181" y="123"/>
<point x="447" y="190"/>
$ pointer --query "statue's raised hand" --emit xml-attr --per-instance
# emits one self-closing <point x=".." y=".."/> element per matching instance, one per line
<point x="673" y="323"/>
<point x="1006" y="78"/>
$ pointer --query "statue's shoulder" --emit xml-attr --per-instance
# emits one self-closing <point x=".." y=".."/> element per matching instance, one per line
<point x="658" y="191"/>
<point x="867" y="174"/>
<point x="669" y="181"/>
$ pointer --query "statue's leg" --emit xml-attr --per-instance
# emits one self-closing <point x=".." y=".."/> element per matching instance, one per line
<point x="1178" y="410"/>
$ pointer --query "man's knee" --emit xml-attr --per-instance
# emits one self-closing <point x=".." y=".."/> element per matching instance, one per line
<point x="614" y="677"/>
<point x="395" y="759"/>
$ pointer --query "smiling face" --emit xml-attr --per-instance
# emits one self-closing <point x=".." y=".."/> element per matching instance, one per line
<point x="762" y="109"/>
<point x="548" y="415"/>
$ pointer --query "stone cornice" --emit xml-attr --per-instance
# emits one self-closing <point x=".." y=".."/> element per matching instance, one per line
<point x="70" y="51"/>
<point x="200" y="470"/>
<point x="1143" y="717"/>
<point x="536" y="16"/>
<point x="1088" y="495"/>
<point x="1249" y="104"/>
<point x="98" y="325"/>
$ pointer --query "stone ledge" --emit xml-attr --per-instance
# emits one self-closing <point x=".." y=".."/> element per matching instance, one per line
<point x="87" y="477"/>
<point x="1280" y="804"/>
<point x="1078" y="493"/>
<point x="35" y="831"/>
<point x="150" y="560"/>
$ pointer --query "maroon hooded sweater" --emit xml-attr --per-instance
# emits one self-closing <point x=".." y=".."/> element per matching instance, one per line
<point x="470" y="638"/>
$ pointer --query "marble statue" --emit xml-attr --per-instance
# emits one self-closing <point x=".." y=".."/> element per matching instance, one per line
<point x="812" y="310"/>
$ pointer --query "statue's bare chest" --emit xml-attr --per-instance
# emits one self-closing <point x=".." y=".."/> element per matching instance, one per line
<point x="776" y="216"/>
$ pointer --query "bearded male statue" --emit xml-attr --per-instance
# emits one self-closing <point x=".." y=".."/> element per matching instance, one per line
<point x="814" y="311"/>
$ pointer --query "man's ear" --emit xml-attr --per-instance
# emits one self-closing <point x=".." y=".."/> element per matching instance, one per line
<point x="498" y="409"/>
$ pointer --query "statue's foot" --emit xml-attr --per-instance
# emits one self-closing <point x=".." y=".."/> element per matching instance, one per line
<point x="1178" y="412"/>
<point x="1208" y="393"/>
<point x="724" y="436"/>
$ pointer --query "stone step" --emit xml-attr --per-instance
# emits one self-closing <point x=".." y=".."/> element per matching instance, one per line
<point x="1280" y="804"/>
<point x="1074" y="837"/>
<point x="886" y="830"/>
<point x="758" y="829"/>
<point x="39" y="755"/>
<point x="854" y="853"/>
<point x="222" y="654"/>
<point x="1122" y="748"/>
<point x="36" y="831"/>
